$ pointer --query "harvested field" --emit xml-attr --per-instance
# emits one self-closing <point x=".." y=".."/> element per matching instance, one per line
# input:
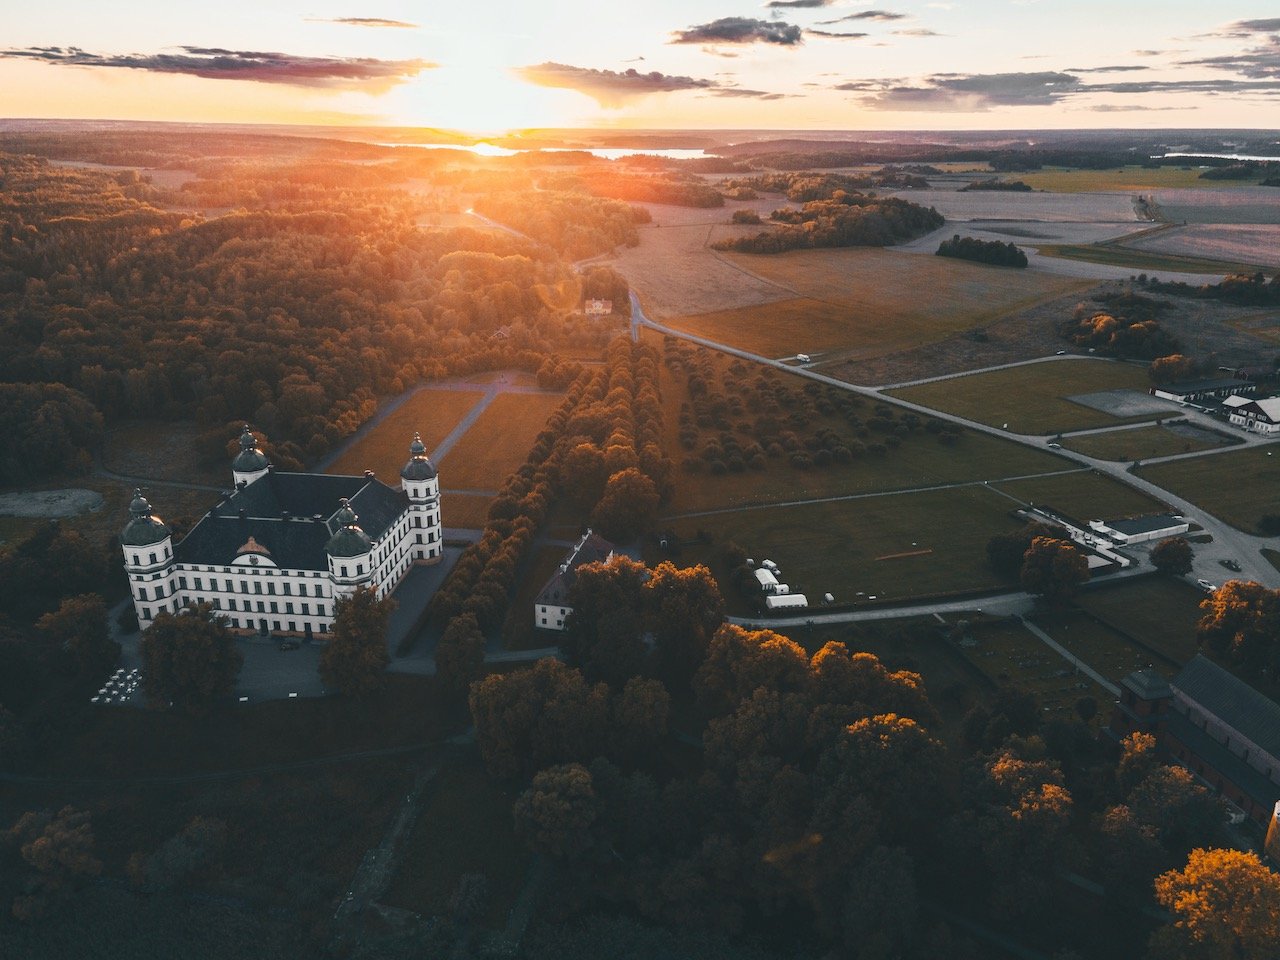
<point x="1122" y="258"/>
<point x="832" y="547"/>
<point x="385" y="448"/>
<point x="1161" y="612"/>
<point x="1238" y="242"/>
<point x="859" y="302"/>
<point x="1026" y="208"/>
<point x="1221" y="205"/>
<point x="498" y="441"/>
<point x="1144" y="443"/>
<point x="1032" y="398"/>
<point x="1240" y="487"/>
<point x="1083" y="496"/>
<point x="467" y="510"/>
<point x="1008" y="653"/>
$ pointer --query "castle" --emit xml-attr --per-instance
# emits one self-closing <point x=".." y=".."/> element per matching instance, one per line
<point x="275" y="555"/>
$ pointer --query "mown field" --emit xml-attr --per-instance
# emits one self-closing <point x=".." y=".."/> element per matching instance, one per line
<point x="1084" y="495"/>
<point x="1033" y="398"/>
<point x="1141" y="443"/>
<point x="1235" y="242"/>
<point x="497" y="442"/>
<point x="1161" y="612"/>
<point x="385" y="448"/>
<point x="860" y="302"/>
<point x="1130" y="178"/>
<point x="1116" y="255"/>
<point x="1240" y="487"/>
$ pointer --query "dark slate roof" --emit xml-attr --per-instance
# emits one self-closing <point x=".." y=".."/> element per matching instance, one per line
<point x="1255" y="784"/>
<point x="1184" y="387"/>
<point x="1255" y="716"/>
<point x="1136" y="525"/>
<point x="1147" y="684"/>
<point x="593" y="549"/>
<point x="296" y="543"/>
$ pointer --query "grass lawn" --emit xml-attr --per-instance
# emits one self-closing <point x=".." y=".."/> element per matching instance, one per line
<point x="1084" y="496"/>
<point x="859" y="302"/>
<point x="1117" y="255"/>
<point x="1162" y="612"/>
<point x="498" y="441"/>
<point x="1008" y="653"/>
<point x="1130" y="178"/>
<point x="1099" y="646"/>
<point x="464" y="826"/>
<point x="1240" y="487"/>
<point x="464" y="509"/>
<point x="384" y="449"/>
<point x="834" y="547"/>
<point x="161" y="449"/>
<point x="1141" y="443"/>
<point x="1033" y="398"/>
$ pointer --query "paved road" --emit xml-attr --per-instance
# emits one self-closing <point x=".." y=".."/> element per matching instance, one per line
<point x="999" y="366"/>
<point x="1228" y="543"/>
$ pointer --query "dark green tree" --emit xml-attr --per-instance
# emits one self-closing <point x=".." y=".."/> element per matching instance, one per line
<point x="189" y="659"/>
<point x="355" y="661"/>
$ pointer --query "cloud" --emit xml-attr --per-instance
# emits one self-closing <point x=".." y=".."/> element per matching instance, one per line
<point x="215" y="63"/>
<point x="917" y="32"/>
<point x="804" y="4"/>
<point x="833" y="35"/>
<point x="744" y="92"/>
<point x="610" y="88"/>
<point x="882" y="16"/>
<point x="1271" y="25"/>
<point x="1125" y="68"/>
<point x="1125" y="108"/>
<point x="741" y="30"/>
<point x="979" y="92"/>
<point x="1256" y="62"/>
<point x="365" y="22"/>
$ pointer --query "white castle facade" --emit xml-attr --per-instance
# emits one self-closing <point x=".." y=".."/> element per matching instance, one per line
<point x="276" y="554"/>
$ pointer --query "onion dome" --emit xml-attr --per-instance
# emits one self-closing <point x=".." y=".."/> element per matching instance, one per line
<point x="253" y="546"/>
<point x="419" y="466"/>
<point x="250" y="459"/>
<point x="143" y="529"/>
<point x="350" y="540"/>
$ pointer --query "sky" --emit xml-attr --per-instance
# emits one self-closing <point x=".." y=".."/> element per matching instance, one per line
<point x="488" y="67"/>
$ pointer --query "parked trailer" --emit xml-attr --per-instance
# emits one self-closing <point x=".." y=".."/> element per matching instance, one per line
<point x="786" y="601"/>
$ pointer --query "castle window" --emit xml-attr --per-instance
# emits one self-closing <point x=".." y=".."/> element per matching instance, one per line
<point x="257" y="586"/>
<point x="324" y="628"/>
<point x="288" y="608"/>
<point x="274" y="607"/>
<point x="244" y="586"/>
<point x="153" y="558"/>
<point x="146" y="613"/>
<point x="182" y="583"/>
<point x="344" y="570"/>
<point x="306" y="608"/>
<point x="286" y="588"/>
<point x="271" y="587"/>
<point x="199" y="585"/>
<point x="261" y="608"/>
<point x="142" y="593"/>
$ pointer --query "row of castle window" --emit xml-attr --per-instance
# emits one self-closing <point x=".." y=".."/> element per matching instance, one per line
<point x="305" y="608"/>
<point x="137" y="557"/>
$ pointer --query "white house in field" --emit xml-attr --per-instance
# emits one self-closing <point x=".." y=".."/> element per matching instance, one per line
<point x="551" y="607"/>
<point x="1260" y="416"/>
<point x="275" y="555"/>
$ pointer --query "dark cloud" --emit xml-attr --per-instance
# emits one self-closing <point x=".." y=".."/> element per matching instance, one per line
<point x="1125" y="108"/>
<point x="1271" y="25"/>
<point x="979" y="92"/>
<point x="798" y="4"/>
<point x="365" y="22"/>
<point x="741" y="30"/>
<point x="1125" y="68"/>
<point x="882" y="16"/>
<point x="216" y="63"/>
<point x="611" y="88"/>
<point x="1257" y="63"/>
<point x="833" y="35"/>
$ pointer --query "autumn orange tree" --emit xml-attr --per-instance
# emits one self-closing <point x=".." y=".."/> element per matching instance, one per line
<point x="1053" y="569"/>
<point x="1226" y="905"/>
<point x="1241" y="622"/>
<point x="59" y="849"/>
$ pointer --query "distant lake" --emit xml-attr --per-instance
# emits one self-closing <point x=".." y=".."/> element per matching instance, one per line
<point x="1217" y="156"/>
<point x="607" y="153"/>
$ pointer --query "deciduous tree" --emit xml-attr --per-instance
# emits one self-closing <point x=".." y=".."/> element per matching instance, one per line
<point x="189" y="659"/>
<point x="355" y="660"/>
<point x="1227" y="905"/>
<point x="1053" y="569"/>
<point x="1173" y="556"/>
<point x="460" y="653"/>
<point x="59" y="848"/>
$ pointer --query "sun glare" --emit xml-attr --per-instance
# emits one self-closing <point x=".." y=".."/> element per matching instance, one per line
<point x="481" y="97"/>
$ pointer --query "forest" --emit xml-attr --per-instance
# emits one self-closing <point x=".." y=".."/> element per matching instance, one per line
<point x="983" y="251"/>
<point x="845" y="220"/>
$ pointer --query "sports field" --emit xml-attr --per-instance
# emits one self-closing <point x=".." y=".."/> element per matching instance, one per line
<point x="385" y="448"/>
<point x="859" y="302"/>
<point x="497" y="442"/>
<point x="1143" y="443"/>
<point x="1033" y="398"/>
<point x="1240" y="487"/>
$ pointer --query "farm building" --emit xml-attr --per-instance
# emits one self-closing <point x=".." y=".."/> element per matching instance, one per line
<point x="1259" y="416"/>
<point x="1141" y="529"/>
<point x="1214" y="724"/>
<point x="789" y="601"/>
<point x="1187" y="391"/>
<point x="551" y="606"/>
<point x="278" y="553"/>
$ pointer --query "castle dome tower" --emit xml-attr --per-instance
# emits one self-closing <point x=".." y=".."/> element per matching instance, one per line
<point x="350" y="552"/>
<point x="147" y="544"/>
<point x="421" y="484"/>
<point x="250" y="463"/>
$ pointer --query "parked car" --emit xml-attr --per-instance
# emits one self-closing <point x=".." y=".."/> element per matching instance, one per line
<point x="1231" y="565"/>
<point x="803" y="357"/>
<point x="1206" y="586"/>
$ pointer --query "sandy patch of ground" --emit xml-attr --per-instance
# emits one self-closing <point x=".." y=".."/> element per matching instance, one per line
<point x="1123" y="403"/>
<point x="47" y="504"/>
<point x="1247" y="242"/>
